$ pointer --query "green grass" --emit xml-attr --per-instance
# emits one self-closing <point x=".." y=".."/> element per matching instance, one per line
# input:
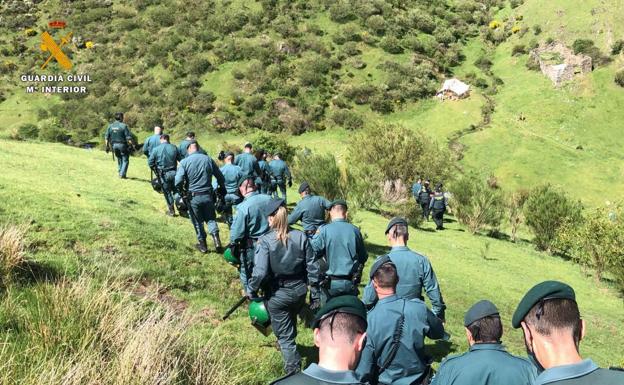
<point x="84" y="218"/>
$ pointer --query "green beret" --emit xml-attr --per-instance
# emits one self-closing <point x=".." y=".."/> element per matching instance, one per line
<point x="340" y="202"/>
<point x="341" y="304"/>
<point x="395" y="221"/>
<point x="243" y="178"/>
<point x="542" y="291"/>
<point x="377" y="264"/>
<point x="481" y="309"/>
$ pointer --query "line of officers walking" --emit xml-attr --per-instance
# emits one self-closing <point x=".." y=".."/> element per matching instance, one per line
<point x="380" y="338"/>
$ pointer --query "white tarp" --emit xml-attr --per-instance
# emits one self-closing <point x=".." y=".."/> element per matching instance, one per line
<point x="456" y="86"/>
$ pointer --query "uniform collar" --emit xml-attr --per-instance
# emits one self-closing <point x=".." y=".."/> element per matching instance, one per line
<point x="565" y="372"/>
<point x="331" y="376"/>
<point x="389" y="298"/>
<point x="339" y="220"/>
<point x="399" y="248"/>
<point x="478" y="346"/>
<point x="252" y="194"/>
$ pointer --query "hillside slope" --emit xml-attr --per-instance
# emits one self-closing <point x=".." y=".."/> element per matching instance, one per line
<point x="82" y="217"/>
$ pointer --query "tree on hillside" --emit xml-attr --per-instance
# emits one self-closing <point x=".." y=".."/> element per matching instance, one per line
<point x="392" y="153"/>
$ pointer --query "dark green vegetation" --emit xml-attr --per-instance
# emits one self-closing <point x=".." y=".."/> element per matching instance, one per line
<point x="288" y="66"/>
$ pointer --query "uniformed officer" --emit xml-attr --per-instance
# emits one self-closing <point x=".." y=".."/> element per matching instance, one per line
<point x="163" y="160"/>
<point x="310" y="210"/>
<point x="152" y="141"/>
<point x="280" y="174"/>
<point x="424" y="198"/>
<point x="339" y="333"/>
<point x="196" y="171"/>
<point x="249" y="224"/>
<point x="284" y="264"/>
<point x="486" y="362"/>
<point x="438" y="207"/>
<point x="416" y="189"/>
<point x="231" y="174"/>
<point x="395" y="338"/>
<point x="342" y="246"/>
<point x="264" y="180"/>
<point x="553" y="329"/>
<point x="248" y="162"/>
<point x="118" y="136"/>
<point x="415" y="270"/>
<point x="184" y="144"/>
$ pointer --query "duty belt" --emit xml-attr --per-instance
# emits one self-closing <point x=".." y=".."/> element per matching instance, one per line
<point x="193" y="193"/>
<point x="286" y="279"/>
<point x="117" y="142"/>
<point x="168" y="169"/>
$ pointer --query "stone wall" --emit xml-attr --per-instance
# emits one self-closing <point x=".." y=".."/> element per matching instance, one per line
<point x="565" y="70"/>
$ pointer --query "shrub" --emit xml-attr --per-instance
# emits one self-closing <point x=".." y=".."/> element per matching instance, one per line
<point x="597" y="242"/>
<point x="515" y="203"/>
<point x="533" y="63"/>
<point x="546" y="210"/>
<point x="376" y="24"/>
<point x="360" y="94"/>
<point x="341" y="12"/>
<point x="518" y="49"/>
<point x="203" y="102"/>
<point x="27" y="131"/>
<point x="51" y="131"/>
<point x="253" y="104"/>
<point x="274" y="143"/>
<point x="321" y="171"/>
<point x="483" y="63"/>
<point x="410" y="210"/>
<point x="476" y="204"/>
<point x="347" y="119"/>
<point x="619" y="78"/>
<point x="382" y="104"/>
<point x="537" y="29"/>
<point x="386" y="152"/>
<point x="391" y="45"/>
<point x="587" y="47"/>
<point x="617" y="47"/>
<point x="516" y="3"/>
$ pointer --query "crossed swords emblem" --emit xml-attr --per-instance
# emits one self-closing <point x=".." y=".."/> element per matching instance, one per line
<point x="48" y="44"/>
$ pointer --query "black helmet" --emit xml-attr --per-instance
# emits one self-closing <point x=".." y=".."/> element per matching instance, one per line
<point x="181" y="206"/>
<point x="156" y="185"/>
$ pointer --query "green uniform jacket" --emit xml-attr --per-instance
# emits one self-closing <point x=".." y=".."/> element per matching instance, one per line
<point x="279" y="170"/>
<point x="150" y="144"/>
<point x="165" y="157"/>
<point x="231" y="174"/>
<point x="415" y="273"/>
<point x="273" y="260"/>
<point x="249" y="221"/>
<point x="118" y="132"/>
<point x="342" y="245"/>
<point x="248" y="164"/>
<point x="410" y="362"/>
<point x="585" y="372"/>
<point x="311" y="211"/>
<point x="316" y="375"/>
<point x="199" y="170"/>
<point x="485" y="364"/>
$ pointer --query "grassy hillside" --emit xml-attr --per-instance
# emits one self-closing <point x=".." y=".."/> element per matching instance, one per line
<point x="84" y="219"/>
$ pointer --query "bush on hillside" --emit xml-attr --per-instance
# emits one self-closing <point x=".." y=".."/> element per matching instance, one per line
<point x="483" y="63"/>
<point x="51" y="131"/>
<point x="518" y="49"/>
<point x="476" y="204"/>
<point x="546" y="210"/>
<point x="537" y="29"/>
<point x="587" y="47"/>
<point x="597" y="241"/>
<point x="619" y="78"/>
<point x="410" y="210"/>
<point x="385" y="152"/>
<point x="274" y="143"/>
<point x="347" y="119"/>
<point x="321" y="171"/>
<point x="617" y="47"/>
<point x="533" y="63"/>
<point x="515" y="203"/>
<point x="382" y="103"/>
<point x="341" y="12"/>
<point x="27" y="131"/>
<point x="391" y="44"/>
<point x="12" y="252"/>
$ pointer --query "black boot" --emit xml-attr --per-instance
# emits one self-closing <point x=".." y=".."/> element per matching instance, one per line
<point x="201" y="246"/>
<point x="171" y="212"/>
<point x="217" y="242"/>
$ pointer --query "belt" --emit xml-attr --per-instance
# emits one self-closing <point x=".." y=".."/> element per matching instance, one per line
<point x="286" y="279"/>
<point x="341" y="277"/>
<point x="168" y="169"/>
<point x="200" y="193"/>
<point x="115" y="142"/>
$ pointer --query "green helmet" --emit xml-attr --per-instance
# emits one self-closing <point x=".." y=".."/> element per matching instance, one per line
<point x="230" y="258"/>
<point x="259" y="316"/>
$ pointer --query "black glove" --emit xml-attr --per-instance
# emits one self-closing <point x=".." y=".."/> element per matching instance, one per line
<point x="221" y="191"/>
<point x="107" y="149"/>
<point x="290" y="183"/>
<point x="315" y="304"/>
